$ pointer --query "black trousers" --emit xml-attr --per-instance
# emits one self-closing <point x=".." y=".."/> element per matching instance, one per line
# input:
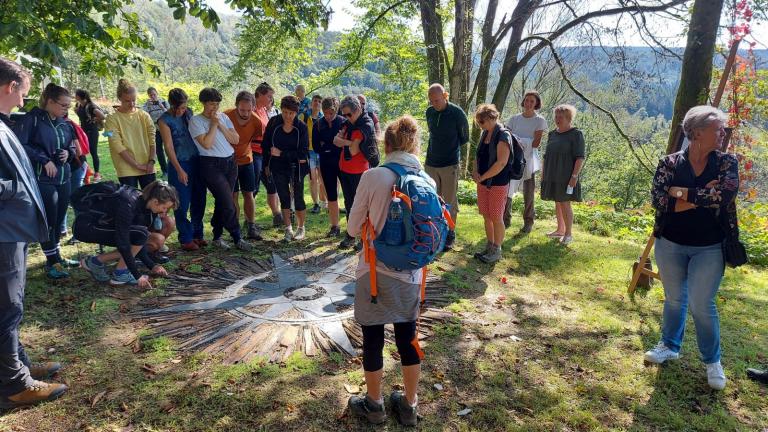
<point x="220" y="175"/>
<point x="373" y="345"/>
<point x="14" y="363"/>
<point x="55" y="201"/>
<point x="287" y="179"/>
<point x="139" y="182"/>
<point x="160" y="150"/>
<point x="349" y="184"/>
<point x="93" y="147"/>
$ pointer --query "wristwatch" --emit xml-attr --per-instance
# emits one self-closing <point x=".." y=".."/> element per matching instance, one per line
<point x="679" y="193"/>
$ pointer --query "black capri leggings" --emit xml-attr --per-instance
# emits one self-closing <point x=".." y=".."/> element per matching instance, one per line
<point x="373" y="345"/>
<point x="329" y="171"/>
<point x="93" y="147"/>
<point x="87" y="230"/>
<point x="290" y="178"/>
<point x="349" y="184"/>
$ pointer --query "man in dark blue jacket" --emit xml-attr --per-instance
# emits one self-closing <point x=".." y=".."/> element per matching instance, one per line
<point x="23" y="221"/>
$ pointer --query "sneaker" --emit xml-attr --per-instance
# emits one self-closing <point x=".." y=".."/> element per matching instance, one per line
<point x="253" y="232"/>
<point x="97" y="271"/>
<point x="526" y="229"/>
<point x="315" y="209"/>
<point x="758" y="375"/>
<point x="190" y="247"/>
<point x="123" y="279"/>
<point x="288" y="234"/>
<point x="484" y="251"/>
<point x="403" y="411"/>
<point x="555" y="234"/>
<point x="660" y="353"/>
<point x="37" y="392"/>
<point x="243" y="245"/>
<point x="333" y="232"/>
<point x="43" y="370"/>
<point x="277" y="220"/>
<point x="69" y="263"/>
<point x="493" y="255"/>
<point x="164" y="249"/>
<point x="221" y="244"/>
<point x="367" y="408"/>
<point x="56" y="271"/>
<point x="324" y="204"/>
<point x="566" y="240"/>
<point x="450" y="239"/>
<point x="347" y="242"/>
<point x="300" y="234"/>
<point x="716" y="376"/>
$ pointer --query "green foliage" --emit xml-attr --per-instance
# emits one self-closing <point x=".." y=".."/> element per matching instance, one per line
<point x="753" y="231"/>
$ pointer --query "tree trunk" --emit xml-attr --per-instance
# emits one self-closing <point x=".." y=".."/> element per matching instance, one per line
<point x="462" y="53"/>
<point x="696" y="74"/>
<point x="433" y="41"/>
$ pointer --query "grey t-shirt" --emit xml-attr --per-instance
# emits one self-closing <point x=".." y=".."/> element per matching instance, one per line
<point x="199" y="125"/>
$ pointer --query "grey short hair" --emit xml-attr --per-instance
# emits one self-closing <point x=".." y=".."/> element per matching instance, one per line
<point x="700" y="117"/>
<point x="350" y="102"/>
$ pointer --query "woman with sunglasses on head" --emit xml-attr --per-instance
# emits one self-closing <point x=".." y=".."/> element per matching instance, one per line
<point x="184" y="170"/>
<point x="286" y="155"/>
<point x="50" y="144"/>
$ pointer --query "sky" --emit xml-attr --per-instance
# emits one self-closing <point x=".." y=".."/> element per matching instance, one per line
<point x="343" y="19"/>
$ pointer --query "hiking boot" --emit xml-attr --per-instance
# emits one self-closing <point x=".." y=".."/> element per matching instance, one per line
<point x="758" y="375"/>
<point x="38" y="392"/>
<point x="347" y="242"/>
<point x="190" y="247"/>
<point x="56" y="271"/>
<point x="493" y="255"/>
<point x="367" y="408"/>
<point x="200" y="242"/>
<point x="660" y="353"/>
<point x="450" y="239"/>
<point x="253" y="232"/>
<point x="243" y="245"/>
<point x="716" y="376"/>
<point x="123" y="279"/>
<point x="403" y="411"/>
<point x="221" y="244"/>
<point x="96" y="269"/>
<point x="526" y="229"/>
<point x="484" y="251"/>
<point x="288" y="234"/>
<point x="300" y="233"/>
<point x="277" y="220"/>
<point x="43" y="370"/>
<point x="315" y="209"/>
<point x="333" y="232"/>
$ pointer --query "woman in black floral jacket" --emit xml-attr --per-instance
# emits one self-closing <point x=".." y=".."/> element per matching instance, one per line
<point x="694" y="193"/>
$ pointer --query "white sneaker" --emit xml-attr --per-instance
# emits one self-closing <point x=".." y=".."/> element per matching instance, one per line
<point x="324" y="204"/>
<point x="288" y="234"/>
<point x="300" y="234"/>
<point x="566" y="240"/>
<point x="660" y="354"/>
<point x="221" y="244"/>
<point x="716" y="376"/>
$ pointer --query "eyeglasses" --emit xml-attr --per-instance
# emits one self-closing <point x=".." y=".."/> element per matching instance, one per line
<point x="65" y="106"/>
<point x="347" y="115"/>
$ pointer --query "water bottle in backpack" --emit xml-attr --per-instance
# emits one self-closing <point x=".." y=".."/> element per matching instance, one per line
<point x="394" y="230"/>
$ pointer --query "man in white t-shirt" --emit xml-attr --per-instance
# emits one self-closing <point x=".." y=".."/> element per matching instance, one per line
<point x="528" y="127"/>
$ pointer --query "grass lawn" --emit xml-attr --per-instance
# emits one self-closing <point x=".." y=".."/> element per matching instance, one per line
<point x="545" y="340"/>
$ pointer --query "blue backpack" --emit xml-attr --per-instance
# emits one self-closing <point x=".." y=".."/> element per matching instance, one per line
<point x="415" y="238"/>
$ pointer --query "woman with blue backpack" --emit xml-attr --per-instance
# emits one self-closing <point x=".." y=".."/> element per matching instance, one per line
<point x="384" y="294"/>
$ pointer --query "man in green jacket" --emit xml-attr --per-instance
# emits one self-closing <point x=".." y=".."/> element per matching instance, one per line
<point x="448" y="131"/>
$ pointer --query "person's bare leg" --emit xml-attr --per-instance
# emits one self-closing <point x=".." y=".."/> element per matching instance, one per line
<point x="154" y="242"/>
<point x="321" y="185"/>
<point x="333" y="212"/>
<point x="121" y="265"/>
<point x="109" y="257"/>
<point x="567" y="217"/>
<point x="169" y="225"/>
<point x="560" y="218"/>
<point x="287" y="218"/>
<point x="249" y="206"/>
<point x="373" y="384"/>
<point x="313" y="185"/>
<point x="411" y="376"/>
<point x="301" y="216"/>
<point x="274" y="203"/>
<point x="489" y="232"/>
<point x="498" y="231"/>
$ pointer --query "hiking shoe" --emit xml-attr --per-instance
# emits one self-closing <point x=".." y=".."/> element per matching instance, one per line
<point x="526" y="229"/>
<point x="200" y="242"/>
<point x="123" y="279"/>
<point x="450" y="239"/>
<point x="243" y="245"/>
<point x="96" y="269"/>
<point x="56" y="271"/>
<point x="347" y="242"/>
<point x="716" y="376"/>
<point x="367" y="408"/>
<point x="333" y="232"/>
<point x="300" y="234"/>
<point x="43" y="370"/>
<point x="758" y="375"/>
<point x="660" y="353"/>
<point x="221" y="244"/>
<point x="277" y="220"/>
<point x="253" y="232"/>
<point x="37" y="392"/>
<point x="190" y="247"/>
<point x="484" y="251"/>
<point x="288" y="234"/>
<point x="566" y="240"/>
<point x="315" y="209"/>
<point x="403" y="411"/>
<point x="493" y="255"/>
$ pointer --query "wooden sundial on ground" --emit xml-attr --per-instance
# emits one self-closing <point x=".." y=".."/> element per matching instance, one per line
<point x="270" y="308"/>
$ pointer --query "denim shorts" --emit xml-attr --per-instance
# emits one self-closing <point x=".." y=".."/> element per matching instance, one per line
<point x="246" y="178"/>
<point x="314" y="160"/>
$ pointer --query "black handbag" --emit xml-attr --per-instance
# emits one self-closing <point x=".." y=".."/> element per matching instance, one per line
<point x="734" y="252"/>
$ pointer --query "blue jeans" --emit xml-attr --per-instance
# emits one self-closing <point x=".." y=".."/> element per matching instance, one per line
<point x="691" y="275"/>
<point x="191" y="199"/>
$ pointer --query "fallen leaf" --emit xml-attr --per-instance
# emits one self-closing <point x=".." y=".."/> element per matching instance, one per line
<point x="353" y="389"/>
<point x="313" y="394"/>
<point x="463" y="412"/>
<point x="176" y="361"/>
<point x="97" y="398"/>
<point x="147" y="368"/>
<point x="51" y="350"/>
<point x="514" y="338"/>
<point x="136" y="348"/>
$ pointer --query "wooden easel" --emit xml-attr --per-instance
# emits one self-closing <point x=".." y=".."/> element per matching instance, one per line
<point x="640" y="268"/>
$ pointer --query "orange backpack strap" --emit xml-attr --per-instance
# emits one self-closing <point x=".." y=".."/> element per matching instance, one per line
<point x="449" y="219"/>
<point x="369" y="253"/>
